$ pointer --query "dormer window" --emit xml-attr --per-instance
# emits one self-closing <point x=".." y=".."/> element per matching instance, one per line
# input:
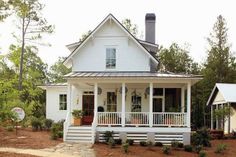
<point x="110" y="58"/>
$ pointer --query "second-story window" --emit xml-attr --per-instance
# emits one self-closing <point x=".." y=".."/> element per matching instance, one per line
<point x="110" y="58"/>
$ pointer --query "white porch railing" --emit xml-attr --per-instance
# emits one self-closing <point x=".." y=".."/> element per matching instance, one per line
<point x="169" y="119"/>
<point x="109" y="118"/>
<point x="142" y="118"/>
<point x="137" y="118"/>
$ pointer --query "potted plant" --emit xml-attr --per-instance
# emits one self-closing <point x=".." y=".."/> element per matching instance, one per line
<point x="77" y="114"/>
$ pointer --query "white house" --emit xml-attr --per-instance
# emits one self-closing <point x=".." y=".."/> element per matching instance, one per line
<point x="223" y="95"/>
<point x="115" y="82"/>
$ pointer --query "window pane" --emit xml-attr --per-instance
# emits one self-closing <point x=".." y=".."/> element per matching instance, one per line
<point x="158" y="91"/>
<point x="62" y="102"/>
<point x="110" y="58"/>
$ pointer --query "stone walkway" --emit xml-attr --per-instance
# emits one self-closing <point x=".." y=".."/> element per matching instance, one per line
<point x="61" y="150"/>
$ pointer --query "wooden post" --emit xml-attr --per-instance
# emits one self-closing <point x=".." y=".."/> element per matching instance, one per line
<point x="123" y="106"/>
<point x="229" y="118"/>
<point x="217" y="120"/>
<point x="182" y="99"/>
<point x="150" y="104"/>
<point x="189" y="104"/>
<point x="95" y="102"/>
<point x="212" y="116"/>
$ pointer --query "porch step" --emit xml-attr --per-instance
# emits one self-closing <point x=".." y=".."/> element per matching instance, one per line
<point x="79" y="134"/>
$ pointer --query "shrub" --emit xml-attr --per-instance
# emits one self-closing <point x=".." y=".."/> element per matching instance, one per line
<point x="143" y="143"/>
<point x="111" y="142"/>
<point x="175" y="144"/>
<point x="220" y="148"/>
<point x="166" y="149"/>
<point x="125" y="147"/>
<point x="188" y="148"/>
<point x="55" y="129"/>
<point x="198" y="149"/>
<point x="130" y="142"/>
<point x="180" y="145"/>
<point x="202" y="153"/>
<point x="201" y="137"/>
<point x="60" y="134"/>
<point x="48" y="124"/>
<point x="159" y="144"/>
<point x="118" y="141"/>
<point x="61" y="123"/>
<point x="9" y="128"/>
<point x="107" y="135"/>
<point x="36" y="124"/>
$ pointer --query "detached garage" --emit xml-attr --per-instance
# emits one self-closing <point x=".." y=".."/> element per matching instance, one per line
<point x="223" y="95"/>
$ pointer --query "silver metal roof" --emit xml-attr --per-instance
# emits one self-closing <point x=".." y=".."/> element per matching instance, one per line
<point x="128" y="74"/>
<point x="227" y="90"/>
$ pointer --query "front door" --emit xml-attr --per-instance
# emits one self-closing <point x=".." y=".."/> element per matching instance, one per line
<point x="157" y="104"/>
<point x="88" y="109"/>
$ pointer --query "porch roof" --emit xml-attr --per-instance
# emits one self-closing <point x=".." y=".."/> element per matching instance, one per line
<point x="130" y="74"/>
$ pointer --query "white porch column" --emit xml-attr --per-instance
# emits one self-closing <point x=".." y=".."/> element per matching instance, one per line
<point x="150" y="104"/>
<point x="229" y="118"/>
<point x="182" y="99"/>
<point x="95" y="101"/>
<point x="217" y="120"/>
<point x="189" y="104"/>
<point x="69" y="104"/>
<point x="123" y="106"/>
<point x="212" y="117"/>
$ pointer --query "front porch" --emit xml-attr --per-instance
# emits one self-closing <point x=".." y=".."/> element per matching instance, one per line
<point x="133" y="106"/>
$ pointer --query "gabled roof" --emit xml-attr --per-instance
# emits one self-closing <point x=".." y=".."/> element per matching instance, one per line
<point x="227" y="90"/>
<point x="110" y="17"/>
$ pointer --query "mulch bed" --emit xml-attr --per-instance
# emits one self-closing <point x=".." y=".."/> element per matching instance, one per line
<point x="6" y="154"/>
<point x="26" y="138"/>
<point x="103" y="150"/>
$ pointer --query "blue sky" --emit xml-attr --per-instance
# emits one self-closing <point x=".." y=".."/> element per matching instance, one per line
<point x="180" y="21"/>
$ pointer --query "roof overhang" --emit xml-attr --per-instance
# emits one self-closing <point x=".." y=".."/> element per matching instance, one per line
<point x="53" y="85"/>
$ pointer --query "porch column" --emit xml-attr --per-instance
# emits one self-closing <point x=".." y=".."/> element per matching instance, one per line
<point x="229" y="118"/>
<point x="123" y="106"/>
<point x="182" y="99"/>
<point x="150" y="104"/>
<point x="95" y="102"/>
<point x="217" y="120"/>
<point x="69" y="107"/>
<point x="212" y="117"/>
<point x="189" y="104"/>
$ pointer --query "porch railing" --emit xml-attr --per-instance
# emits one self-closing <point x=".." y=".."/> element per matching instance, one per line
<point x="142" y="118"/>
<point x="137" y="118"/>
<point x="169" y="119"/>
<point x="109" y="118"/>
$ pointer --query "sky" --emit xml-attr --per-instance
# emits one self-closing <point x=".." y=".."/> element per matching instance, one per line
<point x="186" y="22"/>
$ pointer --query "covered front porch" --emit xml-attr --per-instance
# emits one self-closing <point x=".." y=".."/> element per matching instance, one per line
<point x="114" y="103"/>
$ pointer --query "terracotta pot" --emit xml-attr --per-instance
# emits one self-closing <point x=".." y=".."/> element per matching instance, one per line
<point x="77" y="121"/>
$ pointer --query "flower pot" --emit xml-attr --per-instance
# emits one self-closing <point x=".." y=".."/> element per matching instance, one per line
<point x="77" y="121"/>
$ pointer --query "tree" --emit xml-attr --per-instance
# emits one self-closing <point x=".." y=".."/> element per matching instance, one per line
<point x="4" y="7"/>
<point x="84" y="36"/>
<point x="32" y="25"/>
<point x="132" y="28"/>
<point x="58" y="70"/>
<point x="176" y="59"/>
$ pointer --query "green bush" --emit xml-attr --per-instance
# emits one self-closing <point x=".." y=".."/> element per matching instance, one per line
<point x="180" y="145"/>
<point x="61" y="123"/>
<point x="107" y="135"/>
<point x="111" y="142"/>
<point x="198" y="149"/>
<point x="175" y="144"/>
<point x="143" y="143"/>
<point x="166" y="149"/>
<point x="201" y="137"/>
<point x="48" y="124"/>
<point x="220" y="148"/>
<point x="60" y="134"/>
<point x="158" y="144"/>
<point x="202" y="153"/>
<point x="188" y="148"/>
<point x="55" y="131"/>
<point x="118" y="141"/>
<point x="36" y="124"/>
<point x="125" y="147"/>
<point x="9" y="128"/>
<point x="130" y="142"/>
